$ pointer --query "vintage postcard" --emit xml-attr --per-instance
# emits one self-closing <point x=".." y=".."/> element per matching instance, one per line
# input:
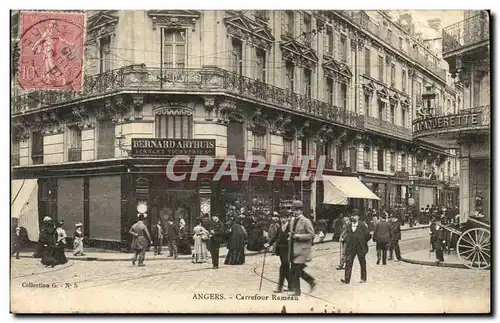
<point x="250" y="161"/>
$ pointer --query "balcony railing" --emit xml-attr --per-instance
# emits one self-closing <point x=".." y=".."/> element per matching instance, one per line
<point x="75" y="154"/>
<point x="469" y="32"/>
<point x="210" y="79"/>
<point x="259" y="152"/>
<point x="15" y="160"/>
<point x="388" y="128"/>
<point x="360" y="18"/>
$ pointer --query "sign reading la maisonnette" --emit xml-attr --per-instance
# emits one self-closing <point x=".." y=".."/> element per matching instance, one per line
<point x="448" y="122"/>
<point x="160" y="147"/>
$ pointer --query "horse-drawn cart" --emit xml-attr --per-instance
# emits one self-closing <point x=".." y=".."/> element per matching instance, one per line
<point x="473" y="246"/>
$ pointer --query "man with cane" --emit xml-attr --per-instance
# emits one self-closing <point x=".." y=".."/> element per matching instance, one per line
<point x="281" y="250"/>
<point x="301" y="237"/>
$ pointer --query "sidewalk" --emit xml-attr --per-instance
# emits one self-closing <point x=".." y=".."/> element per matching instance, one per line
<point x="426" y="258"/>
<point x="92" y="254"/>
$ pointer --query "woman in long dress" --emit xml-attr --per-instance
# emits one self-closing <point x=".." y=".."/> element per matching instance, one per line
<point x="47" y="241"/>
<point x="236" y="244"/>
<point x="78" y="240"/>
<point x="184" y="248"/>
<point x="60" y="244"/>
<point x="200" y="243"/>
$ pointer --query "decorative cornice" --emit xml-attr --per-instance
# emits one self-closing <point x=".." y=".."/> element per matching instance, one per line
<point x="243" y="28"/>
<point x="337" y="70"/>
<point x="102" y="24"/>
<point x="174" y="18"/>
<point x="299" y="54"/>
<point x="369" y="88"/>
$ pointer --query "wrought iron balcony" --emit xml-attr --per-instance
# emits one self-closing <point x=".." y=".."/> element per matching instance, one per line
<point x="384" y="127"/>
<point x="75" y="154"/>
<point x="15" y="160"/>
<point x="210" y="79"/>
<point x="467" y="33"/>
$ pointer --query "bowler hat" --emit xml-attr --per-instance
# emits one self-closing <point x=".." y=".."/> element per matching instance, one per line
<point x="297" y="204"/>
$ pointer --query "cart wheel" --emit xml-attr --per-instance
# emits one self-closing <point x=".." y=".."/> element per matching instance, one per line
<point x="474" y="248"/>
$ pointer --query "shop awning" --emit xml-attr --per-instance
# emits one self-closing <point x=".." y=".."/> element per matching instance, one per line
<point x="337" y="189"/>
<point x="24" y="205"/>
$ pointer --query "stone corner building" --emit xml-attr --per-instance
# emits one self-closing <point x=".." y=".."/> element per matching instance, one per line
<point x="345" y="84"/>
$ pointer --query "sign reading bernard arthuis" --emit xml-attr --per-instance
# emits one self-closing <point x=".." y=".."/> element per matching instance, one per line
<point x="161" y="147"/>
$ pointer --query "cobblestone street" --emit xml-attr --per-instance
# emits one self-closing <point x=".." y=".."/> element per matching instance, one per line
<point x="176" y="286"/>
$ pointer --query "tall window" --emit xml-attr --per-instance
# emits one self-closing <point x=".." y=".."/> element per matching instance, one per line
<point x="307" y="82"/>
<point x="261" y="65"/>
<point x="403" y="117"/>
<point x="259" y="143"/>
<point x="404" y="162"/>
<point x="104" y="54"/>
<point x="343" y="95"/>
<point x="393" y="114"/>
<point x="389" y="35"/>
<point x="16" y="150"/>
<point x="174" y="126"/>
<point x="329" y="90"/>
<point x="340" y="156"/>
<point x="393" y="75"/>
<point x="367" y="61"/>
<point x="367" y="105"/>
<point x="476" y="90"/>
<point x="37" y="147"/>
<point x="367" y="157"/>
<point x="343" y="47"/>
<point x="403" y="81"/>
<point x="380" y="160"/>
<point x="174" y="49"/>
<point x="290" y="76"/>
<point x="74" y="143"/>
<point x="381" y="108"/>
<point x="400" y="42"/>
<point x="105" y="139"/>
<point x="237" y="55"/>
<point x="307" y="29"/>
<point x="381" y="69"/>
<point x="288" y="146"/>
<point x="289" y="23"/>
<point x="393" y="161"/>
<point x="329" y="38"/>
<point x="306" y="147"/>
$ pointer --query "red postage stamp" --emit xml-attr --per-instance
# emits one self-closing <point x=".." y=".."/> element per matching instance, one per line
<point x="51" y="51"/>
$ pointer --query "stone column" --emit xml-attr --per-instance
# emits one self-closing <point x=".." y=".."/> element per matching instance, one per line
<point x="464" y="189"/>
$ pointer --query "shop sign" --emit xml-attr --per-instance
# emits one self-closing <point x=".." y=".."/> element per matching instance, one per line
<point x="448" y="122"/>
<point x="160" y="147"/>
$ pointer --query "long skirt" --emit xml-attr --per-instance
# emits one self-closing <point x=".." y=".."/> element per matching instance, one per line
<point x="183" y="246"/>
<point x="48" y="258"/>
<point x="78" y="246"/>
<point x="235" y="257"/>
<point x="255" y="241"/>
<point x="200" y="253"/>
<point x="59" y="255"/>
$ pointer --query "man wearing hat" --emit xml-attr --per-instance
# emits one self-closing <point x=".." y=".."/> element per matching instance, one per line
<point x="215" y="239"/>
<point x="382" y="237"/>
<point x="395" y="237"/>
<point x="281" y="249"/>
<point x="157" y="232"/>
<point x="358" y="236"/>
<point x="172" y="235"/>
<point x="301" y="239"/>
<point x="140" y="240"/>
<point x="438" y="238"/>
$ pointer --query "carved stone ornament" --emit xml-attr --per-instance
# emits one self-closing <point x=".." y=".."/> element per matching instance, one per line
<point x="369" y="88"/>
<point x="254" y="32"/>
<point x="138" y="104"/>
<point x="174" y="18"/>
<point x="258" y="122"/>
<point x="101" y="24"/>
<point x="82" y="117"/>
<point x="226" y="111"/>
<point x="209" y="104"/>
<point x="299" y="54"/>
<point x="303" y="131"/>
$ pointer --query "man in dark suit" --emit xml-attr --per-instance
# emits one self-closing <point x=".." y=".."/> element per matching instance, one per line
<point x="395" y="237"/>
<point x="438" y="236"/>
<point x="358" y="236"/>
<point x="157" y="232"/>
<point x="301" y="240"/>
<point x="216" y="237"/>
<point x="281" y="240"/>
<point x="382" y="236"/>
<point x="172" y="234"/>
<point x="343" y="241"/>
<point x="140" y="240"/>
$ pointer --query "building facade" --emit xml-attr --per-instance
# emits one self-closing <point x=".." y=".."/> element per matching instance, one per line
<point x="466" y="48"/>
<point x="344" y="84"/>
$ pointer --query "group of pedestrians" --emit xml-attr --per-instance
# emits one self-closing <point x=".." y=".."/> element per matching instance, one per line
<point x="51" y="243"/>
